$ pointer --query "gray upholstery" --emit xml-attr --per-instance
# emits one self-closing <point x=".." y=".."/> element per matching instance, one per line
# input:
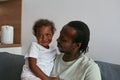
<point x="109" y="71"/>
<point x="11" y="67"/>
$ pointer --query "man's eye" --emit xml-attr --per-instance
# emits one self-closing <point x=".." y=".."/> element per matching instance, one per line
<point x="63" y="40"/>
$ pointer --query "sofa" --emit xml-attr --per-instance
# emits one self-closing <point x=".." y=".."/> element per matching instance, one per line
<point x="11" y="67"/>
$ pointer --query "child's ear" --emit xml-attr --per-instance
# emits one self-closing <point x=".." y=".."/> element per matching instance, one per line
<point x="35" y="34"/>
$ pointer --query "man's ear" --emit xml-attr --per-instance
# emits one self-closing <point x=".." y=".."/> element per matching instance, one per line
<point x="77" y="45"/>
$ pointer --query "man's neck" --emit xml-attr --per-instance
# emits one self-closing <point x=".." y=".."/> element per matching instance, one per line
<point x="68" y="57"/>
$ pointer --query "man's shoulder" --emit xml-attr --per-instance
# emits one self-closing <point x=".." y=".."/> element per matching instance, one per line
<point x="59" y="55"/>
<point x="86" y="61"/>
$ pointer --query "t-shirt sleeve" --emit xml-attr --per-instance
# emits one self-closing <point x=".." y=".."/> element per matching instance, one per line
<point x="33" y="51"/>
<point x="93" y="73"/>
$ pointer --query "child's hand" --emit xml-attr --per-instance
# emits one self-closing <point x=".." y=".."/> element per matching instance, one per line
<point x="54" y="78"/>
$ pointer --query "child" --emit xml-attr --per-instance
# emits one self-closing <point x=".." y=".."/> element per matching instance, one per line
<point x="40" y="58"/>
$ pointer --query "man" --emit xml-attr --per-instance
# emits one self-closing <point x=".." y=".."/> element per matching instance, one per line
<point x="72" y="63"/>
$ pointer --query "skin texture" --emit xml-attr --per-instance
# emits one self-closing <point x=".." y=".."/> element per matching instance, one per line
<point x="72" y="42"/>
<point x="44" y="37"/>
<point x="66" y="44"/>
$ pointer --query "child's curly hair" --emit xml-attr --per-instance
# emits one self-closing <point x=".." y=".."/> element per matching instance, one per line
<point x="43" y="22"/>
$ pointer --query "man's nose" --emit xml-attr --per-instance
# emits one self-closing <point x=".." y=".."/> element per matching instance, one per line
<point x="58" y="40"/>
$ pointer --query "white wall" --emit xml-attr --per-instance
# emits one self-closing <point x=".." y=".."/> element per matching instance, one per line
<point x="13" y="50"/>
<point x="102" y="17"/>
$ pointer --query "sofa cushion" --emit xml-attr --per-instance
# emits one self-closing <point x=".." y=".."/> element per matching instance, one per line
<point x="109" y="71"/>
<point x="10" y="66"/>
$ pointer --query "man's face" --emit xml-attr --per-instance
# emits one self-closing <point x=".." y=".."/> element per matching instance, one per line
<point x="65" y="40"/>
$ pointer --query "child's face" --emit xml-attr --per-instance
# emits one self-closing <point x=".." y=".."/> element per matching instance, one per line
<point x="44" y="36"/>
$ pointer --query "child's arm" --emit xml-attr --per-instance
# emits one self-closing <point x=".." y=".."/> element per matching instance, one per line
<point x="36" y="70"/>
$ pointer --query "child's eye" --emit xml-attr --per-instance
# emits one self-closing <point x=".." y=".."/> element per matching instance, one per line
<point x="48" y="34"/>
<point x="39" y="35"/>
